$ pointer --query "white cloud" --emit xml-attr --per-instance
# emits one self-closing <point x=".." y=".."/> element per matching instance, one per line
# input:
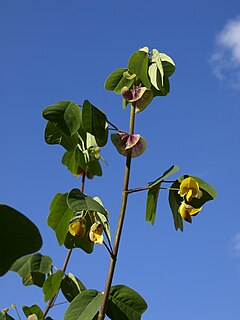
<point x="225" y="60"/>
<point x="236" y="244"/>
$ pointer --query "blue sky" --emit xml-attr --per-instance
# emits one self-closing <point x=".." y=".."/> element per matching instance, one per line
<point x="60" y="50"/>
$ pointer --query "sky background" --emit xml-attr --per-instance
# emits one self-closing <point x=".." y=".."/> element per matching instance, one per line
<point x="64" y="50"/>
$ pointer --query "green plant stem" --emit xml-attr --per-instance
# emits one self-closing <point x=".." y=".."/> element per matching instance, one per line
<point x="148" y="188"/>
<point x="113" y="258"/>
<point x="65" y="264"/>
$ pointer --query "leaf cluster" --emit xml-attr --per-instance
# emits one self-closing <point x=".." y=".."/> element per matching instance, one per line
<point x="81" y="131"/>
<point x="146" y="77"/>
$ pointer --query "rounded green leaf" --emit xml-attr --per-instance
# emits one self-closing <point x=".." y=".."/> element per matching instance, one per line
<point x="52" y="284"/>
<point x="18" y="237"/>
<point x="95" y="122"/>
<point x="34" y="309"/>
<point x="66" y="115"/>
<point x="59" y="217"/>
<point x="138" y="64"/>
<point x="117" y="80"/>
<point x="168" y="64"/>
<point x="53" y="135"/>
<point x="78" y="201"/>
<point x="85" y="306"/>
<point x="125" y="303"/>
<point x="71" y="286"/>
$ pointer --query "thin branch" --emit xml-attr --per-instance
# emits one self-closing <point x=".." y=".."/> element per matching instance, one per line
<point x="108" y="249"/>
<point x="113" y="259"/>
<point x="17" y="312"/>
<point x="115" y="127"/>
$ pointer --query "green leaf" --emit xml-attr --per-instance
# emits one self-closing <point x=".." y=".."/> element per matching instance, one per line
<point x="174" y="202"/>
<point x="18" y="237"/>
<point x="165" y="175"/>
<point x="75" y="161"/>
<point x="32" y="269"/>
<point x="66" y="115"/>
<point x="78" y="201"/>
<point x="164" y="91"/>
<point x="5" y="316"/>
<point x="85" y="306"/>
<point x="138" y="64"/>
<point x="116" y="81"/>
<point x="168" y="64"/>
<point x="59" y="217"/>
<point x="153" y="193"/>
<point x="94" y="168"/>
<point x="95" y="122"/>
<point x="151" y="206"/>
<point x="34" y="309"/>
<point x="71" y="286"/>
<point x="125" y="303"/>
<point x="34" y="278"/>
<point x="52" y="284"/>
<point x="34" y="263"/>
<point x="53" y="135"/>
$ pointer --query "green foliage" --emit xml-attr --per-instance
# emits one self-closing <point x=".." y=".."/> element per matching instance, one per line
<point x="149" y="70"/>
<point x="78" y="201"/>
<point x="60" y="216"/>
<point x="118" y="80"/>
<point x="77" y="219"/>
<point x="52" y="284"/>
<point x="53" y="135"/>
<point x="71" y="286"/>
<point x="95" y="122"/>
<point x="80" y="132"/>
<point x="34" y="309"/>
<point x="152" y="196"/>
<point x="33" y="268"/>
<point x="5" y="316"/>
<point x="65" y="115"/>
<point x="125" y="304"/>
<point x="84" y="306"/>
<point x="138" y="64"/>
<point x="18" y="237"/>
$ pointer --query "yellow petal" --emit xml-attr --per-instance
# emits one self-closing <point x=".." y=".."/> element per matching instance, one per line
<point x="190" y="188"/>
<point x="95" y="233"/>
<point x="186" y="211"/>
<point x="78" y="228"/>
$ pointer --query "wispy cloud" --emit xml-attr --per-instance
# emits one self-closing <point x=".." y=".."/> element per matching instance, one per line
<point x="225" y="59"/>
<point x="236" y="245"/>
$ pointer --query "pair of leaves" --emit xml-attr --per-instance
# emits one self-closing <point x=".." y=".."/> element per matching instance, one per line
<point x="62" y="209"/>
<point x="65" y="115"/>
<point x="69" y="285"/>
<point x="18" y="237"/>
<point x="208" y="193"/>
<point x="124" y="303"/>
<point x="33" y="269"/>
<point x="153" y="193"/>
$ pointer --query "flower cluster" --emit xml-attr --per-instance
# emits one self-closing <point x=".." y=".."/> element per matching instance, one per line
<point x="189" y="189"/>
<point x="78" y="229"/>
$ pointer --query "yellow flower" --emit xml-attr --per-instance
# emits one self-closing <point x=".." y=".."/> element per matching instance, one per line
<point x="95" y="233"/>
<point x="186" y="211"/>
<point x="189" y="187"/>
<point x="78" y="228"/>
